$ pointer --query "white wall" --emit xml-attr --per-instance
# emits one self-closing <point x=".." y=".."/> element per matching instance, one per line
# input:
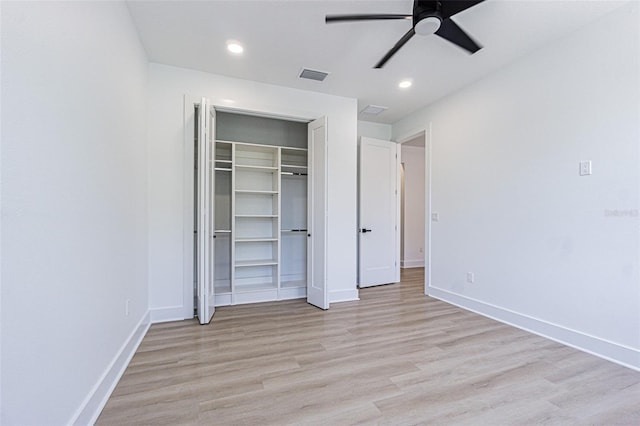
<point x="74" y="238"/>
<point x="374" y="130"/>
<point x="413" y="212"/>
<point x="551" y="251"/>
<point x="169" y="295"/>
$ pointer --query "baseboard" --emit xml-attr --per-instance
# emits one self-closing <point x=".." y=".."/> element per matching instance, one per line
<point x="419" y="263"/>
<point x="343" y="296"/>
<point x="611" y="351"/>
<point x="93" y="404"/>
<point x="173" y="313"/>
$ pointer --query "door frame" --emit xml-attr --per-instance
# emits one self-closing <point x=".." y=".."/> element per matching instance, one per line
<point x="405" y="137"/>
<point x="186" y="311"/>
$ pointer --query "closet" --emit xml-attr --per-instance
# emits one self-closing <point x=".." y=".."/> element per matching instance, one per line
<point x="264" y="204"/>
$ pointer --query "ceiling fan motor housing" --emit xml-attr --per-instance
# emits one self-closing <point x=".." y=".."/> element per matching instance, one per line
<point x="427" y="16"/>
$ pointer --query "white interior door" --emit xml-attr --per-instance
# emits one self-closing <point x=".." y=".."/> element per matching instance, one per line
<point x="204" y="217"/>
<point x="379" y="210"/>
<point x="317" y="293"/>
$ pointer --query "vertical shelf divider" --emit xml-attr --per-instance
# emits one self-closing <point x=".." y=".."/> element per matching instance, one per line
<point x="278" y="178"/>
<point x="233" y="224"/>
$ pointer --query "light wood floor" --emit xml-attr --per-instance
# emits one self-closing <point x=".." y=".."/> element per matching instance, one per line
<point x="394" y="357"/>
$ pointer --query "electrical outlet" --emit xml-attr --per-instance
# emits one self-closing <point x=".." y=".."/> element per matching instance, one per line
<point x="420" y="250"/>
<point x="435" y="217"/>
<point x="585" y="168"/>
<point x="126" y="307"/>
<point x="470" y="277"/>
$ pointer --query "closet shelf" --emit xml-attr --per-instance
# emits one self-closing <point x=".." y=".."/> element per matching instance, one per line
<point x="266" y="169"/>
<point x="254" y="191"/>
<point x="291" y="284"/>
<point x="246" y="288"/>
<point x="257" y="215"/>
<point x="252" y="144"/>
<point x="255" y="239"/>
<point x="256" y="262"/>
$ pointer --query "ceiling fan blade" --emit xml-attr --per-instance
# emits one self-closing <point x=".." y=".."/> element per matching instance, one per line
<point x="450" y="31"/>
<point x="405" y="38"/>
<point x="375" y="17"/>
<point x="451" y="7"/>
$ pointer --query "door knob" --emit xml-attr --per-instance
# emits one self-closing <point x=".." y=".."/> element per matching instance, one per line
<point x="363" y="230"/>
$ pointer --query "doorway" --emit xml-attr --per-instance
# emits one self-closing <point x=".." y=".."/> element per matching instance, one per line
<point x="413" y="202"/>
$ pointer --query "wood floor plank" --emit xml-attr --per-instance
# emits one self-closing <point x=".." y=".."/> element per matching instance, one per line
<point x="395" y="357"/>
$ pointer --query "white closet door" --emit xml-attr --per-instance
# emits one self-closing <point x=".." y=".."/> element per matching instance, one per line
<point x="317" y="293"/>
<point x="205" y="218"/>
<point x="379" y="213"/>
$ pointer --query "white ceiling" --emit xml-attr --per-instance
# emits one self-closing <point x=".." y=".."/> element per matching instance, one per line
<point x="281" y="37"/>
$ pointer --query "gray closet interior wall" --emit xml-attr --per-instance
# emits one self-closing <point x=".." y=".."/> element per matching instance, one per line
<point x="260" y="130"/>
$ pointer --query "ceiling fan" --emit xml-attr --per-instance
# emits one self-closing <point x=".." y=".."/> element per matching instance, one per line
<point x="429" y="17"/>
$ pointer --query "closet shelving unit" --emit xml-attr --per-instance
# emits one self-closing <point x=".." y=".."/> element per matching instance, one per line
<point x="255" y="206"/>
<point x="260" y="222"/>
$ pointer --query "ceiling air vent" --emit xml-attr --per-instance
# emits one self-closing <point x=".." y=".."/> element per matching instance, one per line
<point x="373" y="109"/>
<point x="313" y="74"/>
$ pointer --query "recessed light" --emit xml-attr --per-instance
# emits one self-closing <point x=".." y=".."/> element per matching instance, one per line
<point x="235" y="48"/>
<point x="405" y="84"/>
